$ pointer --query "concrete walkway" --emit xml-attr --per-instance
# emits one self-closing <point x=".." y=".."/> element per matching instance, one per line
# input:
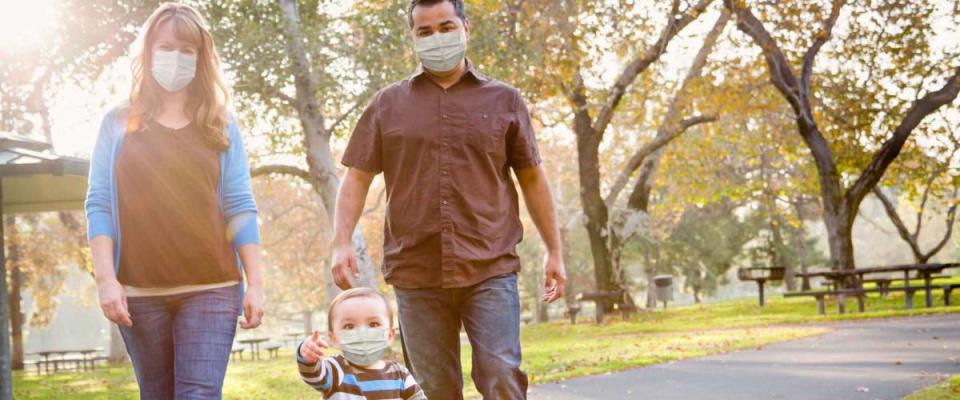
<point x="879" y="359"/>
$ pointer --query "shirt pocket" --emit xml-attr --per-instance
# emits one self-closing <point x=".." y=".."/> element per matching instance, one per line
<point x="487" y="132"/>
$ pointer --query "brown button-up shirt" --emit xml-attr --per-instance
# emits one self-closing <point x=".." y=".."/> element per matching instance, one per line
<point x="452" y="215"/>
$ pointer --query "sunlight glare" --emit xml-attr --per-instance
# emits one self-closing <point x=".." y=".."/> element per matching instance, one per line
<point x="25" y="24"/>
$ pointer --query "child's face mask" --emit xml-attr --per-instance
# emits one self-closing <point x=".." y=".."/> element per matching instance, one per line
<point x="173" y="70"/>
<point x="364" y="346"/>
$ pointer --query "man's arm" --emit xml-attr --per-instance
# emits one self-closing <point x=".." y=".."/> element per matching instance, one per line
<point x="350" y="200"/>
<point x="536" y="193"/>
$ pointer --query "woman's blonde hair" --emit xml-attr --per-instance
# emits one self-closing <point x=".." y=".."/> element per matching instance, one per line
<point x="208" y="95"/>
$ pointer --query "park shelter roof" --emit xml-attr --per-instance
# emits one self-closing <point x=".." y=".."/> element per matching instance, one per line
<point x="34" y="179"/>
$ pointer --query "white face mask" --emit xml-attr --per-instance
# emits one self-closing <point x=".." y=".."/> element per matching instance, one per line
<point x="442" y="52"/>
<point x="364" y="346"/>
<point x="173" y="70"/>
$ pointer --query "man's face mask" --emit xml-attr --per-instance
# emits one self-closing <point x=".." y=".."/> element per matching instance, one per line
<point x="364" y="346"/>
<point x="173" y="70"/>
<point x="442" y="52"/>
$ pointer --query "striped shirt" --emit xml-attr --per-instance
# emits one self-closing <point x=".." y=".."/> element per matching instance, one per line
<point x="337" y="379"/>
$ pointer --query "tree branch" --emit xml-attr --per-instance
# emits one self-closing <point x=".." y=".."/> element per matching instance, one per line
<point x="950" y="220"/>
<point x="362" y="99"/>
<point x="898" y="222"/>
<point x="678" y="21"/>
<point x="376" y="206"/>
<point x="670" y="128"/>
<point x="277" y="169"/>
<point x="819" y="40"/>
<point x="642" y="153"/>
<point x="923" y="107"/>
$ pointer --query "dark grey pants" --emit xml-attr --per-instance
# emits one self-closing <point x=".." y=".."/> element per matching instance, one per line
<point x="430" y="321"/>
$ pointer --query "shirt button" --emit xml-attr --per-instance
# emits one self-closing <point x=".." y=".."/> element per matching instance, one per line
<point x="444" y="116"/>
<point x="444" y="230"/>
<point x="444" y="202"/>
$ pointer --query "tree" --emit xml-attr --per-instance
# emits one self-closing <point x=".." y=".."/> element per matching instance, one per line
<point x="605" y="240"/>
<point x="840" y="199"/>
<point x="39" y="250"/>
<point x="705" y="243"/>
<point x="295" y="230"/>
<point x="930" y="182"/>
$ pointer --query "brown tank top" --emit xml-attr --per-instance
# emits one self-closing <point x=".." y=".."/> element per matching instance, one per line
<point x="172" y="230"/>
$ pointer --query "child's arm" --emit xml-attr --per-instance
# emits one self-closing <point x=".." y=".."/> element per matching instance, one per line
<point x="411" y="390"/>
<point x="320" y="372"/>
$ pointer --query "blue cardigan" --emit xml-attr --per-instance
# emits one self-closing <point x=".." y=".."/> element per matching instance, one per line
<point x="235" y="195"/>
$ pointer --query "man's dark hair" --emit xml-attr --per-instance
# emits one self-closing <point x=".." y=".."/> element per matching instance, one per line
<point x="457" y="5"/>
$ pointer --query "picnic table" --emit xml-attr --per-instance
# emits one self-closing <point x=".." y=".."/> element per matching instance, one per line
<point x="293" y="337"/>
<point x="925" y="271"/>
<point x="254" y="346"/>
<point x="87" y="357"/>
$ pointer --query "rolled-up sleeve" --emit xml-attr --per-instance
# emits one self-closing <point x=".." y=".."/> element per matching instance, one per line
<point x="99" y="201"/>
<point x="522" y="150"/>
<point x="239" y="206"/>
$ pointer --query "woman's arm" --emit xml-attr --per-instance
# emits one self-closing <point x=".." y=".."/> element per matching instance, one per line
<point x="113" y="300"/>
<point x="253" y="295"/>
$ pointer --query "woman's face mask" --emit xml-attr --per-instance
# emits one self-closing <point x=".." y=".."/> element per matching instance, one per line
<point x="364" y="346"/>
<point x="173" y="70"/>
<point x="442" y="52"/>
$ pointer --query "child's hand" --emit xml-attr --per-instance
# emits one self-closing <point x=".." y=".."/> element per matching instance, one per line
<point x="312" y="348"/>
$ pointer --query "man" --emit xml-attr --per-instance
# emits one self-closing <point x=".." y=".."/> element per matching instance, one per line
<point x="446" y="139"/>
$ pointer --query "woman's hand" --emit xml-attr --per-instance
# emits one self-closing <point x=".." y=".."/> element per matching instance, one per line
<point x="311" y="350"/>
<point x="252" y="307"/>
<point x="113" y="302"/>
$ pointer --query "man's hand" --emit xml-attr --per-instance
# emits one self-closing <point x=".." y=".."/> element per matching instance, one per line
<point x="556" y="277"/>
<point x="311" y="350"/>
<point x="345" y="266"/>
<point x="252" y="307"/>
<point x="113" y="302"/>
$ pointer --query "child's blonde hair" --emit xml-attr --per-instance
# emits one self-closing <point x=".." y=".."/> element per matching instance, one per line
<point x="353" y="293"/>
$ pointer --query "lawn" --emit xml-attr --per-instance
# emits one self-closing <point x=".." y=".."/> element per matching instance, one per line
<point x="552" y="351"/>
<point x="949" y="390"/>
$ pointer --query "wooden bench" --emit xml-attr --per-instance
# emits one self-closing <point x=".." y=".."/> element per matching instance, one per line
<point x="884" y="284"/>
<point x="947" y="291"/>
<point x="273" y="350"/>
<point x="236" y="352"/>
<point x="860" y="294"/>
<point x="617" y="298"/>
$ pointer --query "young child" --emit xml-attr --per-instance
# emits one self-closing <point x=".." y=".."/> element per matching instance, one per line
<point x="360" y="324"/>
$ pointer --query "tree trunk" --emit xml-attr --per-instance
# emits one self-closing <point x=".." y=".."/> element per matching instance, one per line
<point x="322" y="168"/>
<point x="15" y="294"/>
<point x="307" y="322"/>
<point x="6" y="378"/>
<point x="16" y="311"/>
<point x="594" y="208"/>
<point x="780" y="256"/>
<point x="840" y="238"/>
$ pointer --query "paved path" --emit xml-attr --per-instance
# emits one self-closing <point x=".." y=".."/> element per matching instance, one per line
<point x="879" y="359"/>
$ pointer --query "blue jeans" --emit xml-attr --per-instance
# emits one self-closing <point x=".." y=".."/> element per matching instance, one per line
<point x="430" y="321"/>
<point x="180" y="344"/>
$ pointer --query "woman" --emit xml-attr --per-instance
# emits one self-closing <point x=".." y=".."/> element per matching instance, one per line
<point x="171" y="217"/>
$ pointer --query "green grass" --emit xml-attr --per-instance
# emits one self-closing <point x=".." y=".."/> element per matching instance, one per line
<point x="552" y="351"/>
<point x="949" y="390"/>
